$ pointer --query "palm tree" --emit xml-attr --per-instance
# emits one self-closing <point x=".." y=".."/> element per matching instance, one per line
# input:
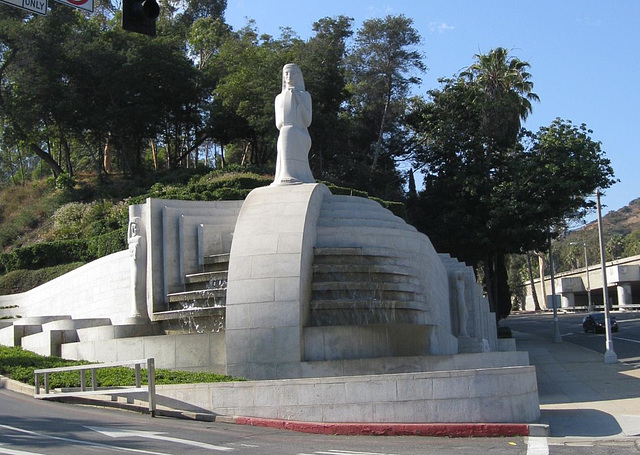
<point x="504" y="94"/>
<point x="507" y="89"/>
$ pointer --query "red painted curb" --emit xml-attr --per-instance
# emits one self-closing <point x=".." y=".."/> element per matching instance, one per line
<point x="452" y="430"/>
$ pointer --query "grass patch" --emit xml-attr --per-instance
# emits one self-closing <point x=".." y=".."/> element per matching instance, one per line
<point x="19" y="364"/>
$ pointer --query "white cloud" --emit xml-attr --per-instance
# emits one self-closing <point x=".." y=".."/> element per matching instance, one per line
<point x="440" y="27"/>
<point x="589" y="21"/>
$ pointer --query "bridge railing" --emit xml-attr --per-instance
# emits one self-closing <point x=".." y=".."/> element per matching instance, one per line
<point x="94" y="389"/>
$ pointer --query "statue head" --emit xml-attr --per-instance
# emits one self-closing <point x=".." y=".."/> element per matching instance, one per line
<point x="292" y="77"/>
<point x="133" y="227"/>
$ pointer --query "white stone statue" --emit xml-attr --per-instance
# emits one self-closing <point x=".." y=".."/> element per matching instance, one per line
<point x="463" y="313"/>
<point x="293" y="116"/>
<point x="137" y="252"/>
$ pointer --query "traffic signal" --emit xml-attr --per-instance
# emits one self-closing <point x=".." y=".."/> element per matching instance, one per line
<point x="140" y="16"/>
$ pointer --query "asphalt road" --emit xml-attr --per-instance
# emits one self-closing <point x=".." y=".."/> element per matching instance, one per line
<point x="29" y="426"/>
<point x="626" y="342"/>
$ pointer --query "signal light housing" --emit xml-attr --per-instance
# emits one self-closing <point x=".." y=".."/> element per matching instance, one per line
<point x="139" y="16"/>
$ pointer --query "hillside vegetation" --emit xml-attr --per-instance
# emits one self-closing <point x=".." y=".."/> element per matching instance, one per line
<point x="47" y="230"/>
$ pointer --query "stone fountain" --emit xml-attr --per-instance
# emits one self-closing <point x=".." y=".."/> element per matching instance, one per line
<point x="334" y="308"/>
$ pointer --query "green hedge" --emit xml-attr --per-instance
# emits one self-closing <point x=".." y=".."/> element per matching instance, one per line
<point x="23" y="280"/>
<point x="19" y="364"/>
<point x="50" y="254"/>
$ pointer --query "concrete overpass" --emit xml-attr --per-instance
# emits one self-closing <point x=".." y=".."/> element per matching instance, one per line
<point x="572" y="288"/>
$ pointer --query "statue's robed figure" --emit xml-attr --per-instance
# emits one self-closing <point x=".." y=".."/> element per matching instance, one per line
<point x="293" y="116"/>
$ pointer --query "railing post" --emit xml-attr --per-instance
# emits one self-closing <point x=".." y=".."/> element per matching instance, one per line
<point x="37" y="383"/>
<point x="138" y="381"/>
<point x="46" y="383"/>
<point x="151" y="380"/>
<point x="94" y="379"/>
<point x="83" y="380"/>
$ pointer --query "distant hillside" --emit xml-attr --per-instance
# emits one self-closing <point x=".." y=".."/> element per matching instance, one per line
<point x="622" y="222"/>
<point x="621" y="238"/>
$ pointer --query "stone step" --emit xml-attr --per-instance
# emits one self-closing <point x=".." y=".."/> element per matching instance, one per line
<point x="206" y="280"/>
<point x="346" y="256"/>
<point x="377" y="235"/>
<point x="216" y="262"/>
<point x="39" y="320"/>
<point x="112" y="332"/>
<point x="358" y="272"/>
<point x="364" y="304"/>
<point x="199" y="312"/>
<point x="365" y="312"/>
<point x="355" y="201"/>
<point x="468" y="345"/>
<point x="363" y="222"/>
<point x="347" y="211"/>
<point x="216" y="258"/>
<point x="211" y="296"/>
<point x="344" y="285"/>
<point x="75" y="324"/>
<point x="364" y="293"/>
<point x="6" y="323"/>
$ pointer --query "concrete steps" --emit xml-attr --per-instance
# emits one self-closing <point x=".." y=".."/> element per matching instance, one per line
<point x="202" y="303"/>
<point x="54" y="334"/>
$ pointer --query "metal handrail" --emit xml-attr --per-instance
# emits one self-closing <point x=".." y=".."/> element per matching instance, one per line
<point x="150" y="389"/>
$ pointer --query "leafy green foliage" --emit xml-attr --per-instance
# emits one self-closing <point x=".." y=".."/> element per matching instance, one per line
<point x="17" y="281"/>
<point x="19" y="364"/>
<point x="51" y="254"/>
<point x="490" y="192"/>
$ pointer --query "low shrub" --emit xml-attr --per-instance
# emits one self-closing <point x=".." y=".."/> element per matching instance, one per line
<point x="18" y="281"/>
<point x="19" y="364"/>
<point x="50" y="254"/>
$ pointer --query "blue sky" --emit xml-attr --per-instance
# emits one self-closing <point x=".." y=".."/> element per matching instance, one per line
<point x="584" y="57"/>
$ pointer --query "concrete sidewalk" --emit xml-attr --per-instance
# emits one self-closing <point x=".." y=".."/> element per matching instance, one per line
<point x="580" y="395"/>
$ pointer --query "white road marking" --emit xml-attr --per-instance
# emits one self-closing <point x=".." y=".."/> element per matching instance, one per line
<point x="8" y="451"/>
<point x="120" y="433"/>
<point x="81" y="442"/>
<point x="344" y="452"/>
<point x="626" y="339"/>
<point x="537" y="446"/>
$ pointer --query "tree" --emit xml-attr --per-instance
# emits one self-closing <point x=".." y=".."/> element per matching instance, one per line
<point x="483" y="201"/>
<point x="383" y="65"/>
<point x="507" y="87"/>
<point x="322" y="60"/>
<point x="248" y="69"/>
<point x="632" y="243"/>
<point x="615" y="247"/>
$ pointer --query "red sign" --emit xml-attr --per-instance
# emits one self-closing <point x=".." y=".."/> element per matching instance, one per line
<point x="86" y="5"/>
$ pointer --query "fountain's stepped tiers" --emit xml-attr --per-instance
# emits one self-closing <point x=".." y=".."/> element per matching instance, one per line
<point x="318" y="286"/>
<point x="201" y="307"/>
<point x="356" y="286"/>
<point x="313" y="276"/>
<point x="187" y="238"/>
<point x="372" y="268"/>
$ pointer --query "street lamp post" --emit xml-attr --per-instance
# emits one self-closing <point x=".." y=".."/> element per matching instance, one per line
<point x="557" y="338"/>
<point x="586" y="263"/>
<point x="610" y="355"/>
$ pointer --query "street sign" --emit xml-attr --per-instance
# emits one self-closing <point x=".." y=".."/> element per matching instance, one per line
<point x="35" y="6"/>
<point x="86" y="5"/>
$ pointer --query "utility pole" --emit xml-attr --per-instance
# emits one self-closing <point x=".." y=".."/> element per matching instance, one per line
<point x="586" y="269"/>
<point x="557" y="338"/>
<point x="610" y="355"/>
